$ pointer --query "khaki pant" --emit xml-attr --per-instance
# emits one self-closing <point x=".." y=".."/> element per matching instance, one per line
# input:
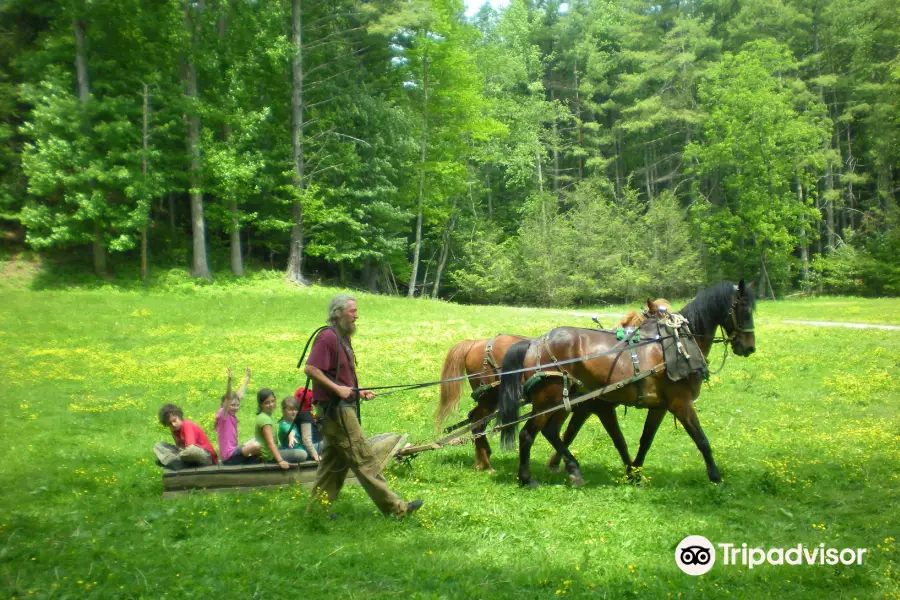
<point x="346" y="448"/>
<point x="176" y="458"/>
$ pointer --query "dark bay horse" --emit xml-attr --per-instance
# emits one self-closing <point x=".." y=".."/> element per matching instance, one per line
<point x="724" y="305"/>
<point x="656" y="309"/>
<point x="474" y="357"/>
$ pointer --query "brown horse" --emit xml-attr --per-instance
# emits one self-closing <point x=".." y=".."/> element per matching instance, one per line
<point x="481" y="359"/>
<point x="656" y="309"/>
<point x="724" y="305"/>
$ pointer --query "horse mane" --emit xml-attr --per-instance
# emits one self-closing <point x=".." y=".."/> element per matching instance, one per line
<point x="710" y="308"/>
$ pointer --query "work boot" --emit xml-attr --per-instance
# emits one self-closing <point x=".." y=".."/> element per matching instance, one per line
<point x="413" y="507"/>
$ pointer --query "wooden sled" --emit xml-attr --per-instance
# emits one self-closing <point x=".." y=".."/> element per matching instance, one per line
<point x="221" y="478"/>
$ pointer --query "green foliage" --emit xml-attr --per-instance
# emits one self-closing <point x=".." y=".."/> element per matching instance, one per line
<point x="763" y="132"/>
<point x="596" y="251"/>
<point x="841" y="272"/>
<point x="773" y="123"/>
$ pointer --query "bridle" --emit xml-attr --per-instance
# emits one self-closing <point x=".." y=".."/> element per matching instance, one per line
<point x="727" y="338"/>
<point x="736" y="301"/>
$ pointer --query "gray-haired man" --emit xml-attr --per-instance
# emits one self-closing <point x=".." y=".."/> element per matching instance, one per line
<point x="332" y="367"/>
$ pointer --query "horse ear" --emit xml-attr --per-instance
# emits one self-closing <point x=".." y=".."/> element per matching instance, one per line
<point x="650" y="304"/>
<point x="741" y="286"/>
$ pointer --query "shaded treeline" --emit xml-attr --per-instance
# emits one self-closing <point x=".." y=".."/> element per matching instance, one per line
<point x="551" y="153"/>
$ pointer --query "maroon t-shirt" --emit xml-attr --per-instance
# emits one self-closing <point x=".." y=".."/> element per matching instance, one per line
<point x="324" y="356"/>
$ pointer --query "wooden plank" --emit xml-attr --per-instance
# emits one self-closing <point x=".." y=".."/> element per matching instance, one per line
<point x="262" y="475"/>
<point x="248" y="468"/>
<point x="275" y="476"/>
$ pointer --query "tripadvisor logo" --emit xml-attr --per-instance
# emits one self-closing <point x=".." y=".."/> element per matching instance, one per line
<point x="696" y="555"/>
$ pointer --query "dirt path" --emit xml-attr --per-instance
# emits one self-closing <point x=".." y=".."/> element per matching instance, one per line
<point x="847" y="325"/>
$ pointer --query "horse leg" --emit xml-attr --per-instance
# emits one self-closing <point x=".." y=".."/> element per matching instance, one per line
<point x="482" y="447"/>
<point x="651" y="425"/>
<point x="526" y="440"/>
<point x="691" y="422"/>
<point x="540" y="401"/>
<point x="607" y="415"/>
<point x="551" y="432"/>
<point x="578" y="419"/>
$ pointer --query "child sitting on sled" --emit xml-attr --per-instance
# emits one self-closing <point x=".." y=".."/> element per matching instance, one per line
<point x="191" y="448"/>
<point x="293" y="410"/>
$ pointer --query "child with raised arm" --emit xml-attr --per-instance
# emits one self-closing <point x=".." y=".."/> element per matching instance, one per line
<point x="227" y="425"/>
<point x="266" y="432"/>
<point x="192" y="447"/>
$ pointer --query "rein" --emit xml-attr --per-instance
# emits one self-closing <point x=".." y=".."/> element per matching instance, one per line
<point x="482" y="374"/>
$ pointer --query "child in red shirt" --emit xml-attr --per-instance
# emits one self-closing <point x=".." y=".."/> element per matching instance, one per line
<point x="192" y="447"/>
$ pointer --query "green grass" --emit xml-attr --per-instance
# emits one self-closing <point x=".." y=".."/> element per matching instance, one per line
<point x="805" y="433"/>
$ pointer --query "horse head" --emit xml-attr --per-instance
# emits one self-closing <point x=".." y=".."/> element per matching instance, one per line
<point x="739" y="326"/>
<point x="658" y="308"/>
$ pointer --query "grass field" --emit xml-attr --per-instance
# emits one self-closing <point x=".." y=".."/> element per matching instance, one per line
<point x="805" y="432"/>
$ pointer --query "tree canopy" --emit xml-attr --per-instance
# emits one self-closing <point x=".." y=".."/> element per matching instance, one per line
<point x="551" y="153"/>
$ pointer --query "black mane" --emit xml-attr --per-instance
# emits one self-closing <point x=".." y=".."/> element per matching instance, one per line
<point x="710" y="308"/>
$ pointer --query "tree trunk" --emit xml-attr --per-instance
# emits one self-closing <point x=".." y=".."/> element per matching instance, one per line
<point x="145" y="145"/>
<point x="578" y="123"/>
<point x="295" y="258"/>
<point x="647" y="175"/>
<point x="200" y="267"/>
<point x="370" y="276"/>
<point x="99" y="250"/>
<point x="445" y="252"/>
<point x="851" y="167"/>
<point x="827" y="145"/>
<point x="768" y="280"/>
<point x="618" y="165"/>
<point x="172" y="214"/>
<point x="487" y="169"/>
<point x="237" y="261"/>
<point x="540" y="182"/>
<point x="828" y="196"/>
<point x="885" y="178"/>
<point x="763" y="276"/>
<point x="804" y="246"/>
<point x="555" y="145"/>
<point x="418" y="248"/>
<point x="81" y="70"/>
<point x="84" y="94"/>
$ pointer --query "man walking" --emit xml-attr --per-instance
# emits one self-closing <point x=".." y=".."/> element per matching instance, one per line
<point x="332" y="367"/>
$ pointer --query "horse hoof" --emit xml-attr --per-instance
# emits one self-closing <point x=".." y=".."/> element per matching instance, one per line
<point x="576" y="480"/>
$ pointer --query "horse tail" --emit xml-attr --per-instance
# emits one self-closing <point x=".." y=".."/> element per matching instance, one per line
<point x="511" y="391"/>
<point x="454" y="366"/>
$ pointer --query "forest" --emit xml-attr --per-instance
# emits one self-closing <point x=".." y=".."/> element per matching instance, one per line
<point x="551" y="153"/>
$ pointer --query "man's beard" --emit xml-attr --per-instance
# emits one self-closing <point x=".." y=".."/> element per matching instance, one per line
<point x="346" y="328"/>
